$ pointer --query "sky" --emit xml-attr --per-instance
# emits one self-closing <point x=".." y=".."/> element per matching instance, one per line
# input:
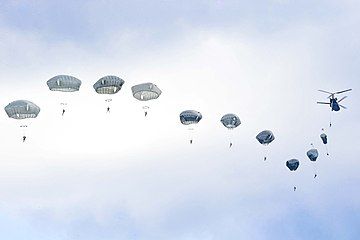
<point x="91" y="175"/>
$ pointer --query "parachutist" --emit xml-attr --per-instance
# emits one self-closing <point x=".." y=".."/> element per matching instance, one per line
<point x="230" y="121"/>
<point x="145" y="92"/>
<point x="265" y="138"/>
<point x="190" y="117"/>
<point x="315" y="176"/>
<point x="294" y="188"/>
<point x="24" y="138"/>
<point x="63" y="112"/>
<point x="108" y="110"/>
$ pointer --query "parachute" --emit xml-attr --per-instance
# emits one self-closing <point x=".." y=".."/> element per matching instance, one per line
<point x="230" y="121"/>
<point x="265" y="138"/>
<point x="21" y="110"/>
<point x="293" y="165"/>
<point x="190" y="117"/>
<point x="108" y="85"/>
<point x="312" y="154"/>
<point x="145" y="92"/>
<point x="324" y="139"/>
<point x="64" y="83"/>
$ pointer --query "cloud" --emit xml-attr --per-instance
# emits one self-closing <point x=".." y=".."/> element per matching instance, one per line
<point x="93" y="176"/>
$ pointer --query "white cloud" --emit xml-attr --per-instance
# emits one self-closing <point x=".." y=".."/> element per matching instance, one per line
<point x="77" y="174"/>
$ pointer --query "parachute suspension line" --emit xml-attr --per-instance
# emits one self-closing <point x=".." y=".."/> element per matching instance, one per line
<point x="265" y="151"/>
<point x="146" y="109"/>
<point x="63" y="108"/>
<point x="314" y="169"/>
<point x="24" y="132"/>
<point x="230" y="137"/>
<point x="108" y="103"/>
<point x="24" y="127"/>
<point x="327" y="152"/>
<point x="63" y="104"/>
<point x="294" y="181"/>
<point x="191" y="134"/>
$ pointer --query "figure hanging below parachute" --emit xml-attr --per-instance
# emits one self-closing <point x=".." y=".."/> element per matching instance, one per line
<point x="108" y="85"/>
<point x="146" y="92"/>
<point x="293" y="165"/>
<point x="22" y="110"/>
<point x="190" y="117"/>
<point x="313" y="154"/>
<point x="65" y="84"/>
<point x="230" y="121"/>
<point x="265" y="138"/>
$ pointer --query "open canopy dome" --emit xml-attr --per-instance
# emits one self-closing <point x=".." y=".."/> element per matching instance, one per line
<point x="64" y="83"/>
<point x="323" y="137"/>
<point x="312" y="154"/>
<point x="108" y="85"/>
<point x="146" y="91"/>
<point x="292" y="164"/>
<point x="190" y="117"/>
<point x="265" y="137"/>
<point x="22" y="109"/>
<point x="230" y="121"/>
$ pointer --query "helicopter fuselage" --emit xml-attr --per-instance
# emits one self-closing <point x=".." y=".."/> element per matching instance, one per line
<point x="334" y="105"/>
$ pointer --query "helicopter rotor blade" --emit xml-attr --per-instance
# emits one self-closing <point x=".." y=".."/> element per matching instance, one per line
<point x="347" y="90"/>
<point x="342" y="106"/>
<point x="342" y="99"/>
<point x="323" y="103"/>
<point x="325" y="91"/>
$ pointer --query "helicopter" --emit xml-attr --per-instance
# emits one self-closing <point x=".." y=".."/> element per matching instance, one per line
<point x="334" y="102"/>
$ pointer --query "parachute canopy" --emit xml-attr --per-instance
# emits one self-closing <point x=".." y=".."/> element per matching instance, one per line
<point x="145" y="91"/>
<point x="230" y="121"/>
<point x="64" y="83"/>
<point x="323" y="138"/>
<point x="292" y="164"/>
<point x="190" y="117"/>
<point x="108" y="85"/>
<point x="312" y="154"/>
<point x="22" y="109"/>
<point x="265" y="137"/>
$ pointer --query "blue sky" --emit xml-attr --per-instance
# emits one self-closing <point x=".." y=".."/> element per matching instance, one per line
<point x="94" y="176"/>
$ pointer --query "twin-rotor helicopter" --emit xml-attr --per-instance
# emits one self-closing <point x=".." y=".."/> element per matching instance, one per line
<point x="334" y="102"/>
